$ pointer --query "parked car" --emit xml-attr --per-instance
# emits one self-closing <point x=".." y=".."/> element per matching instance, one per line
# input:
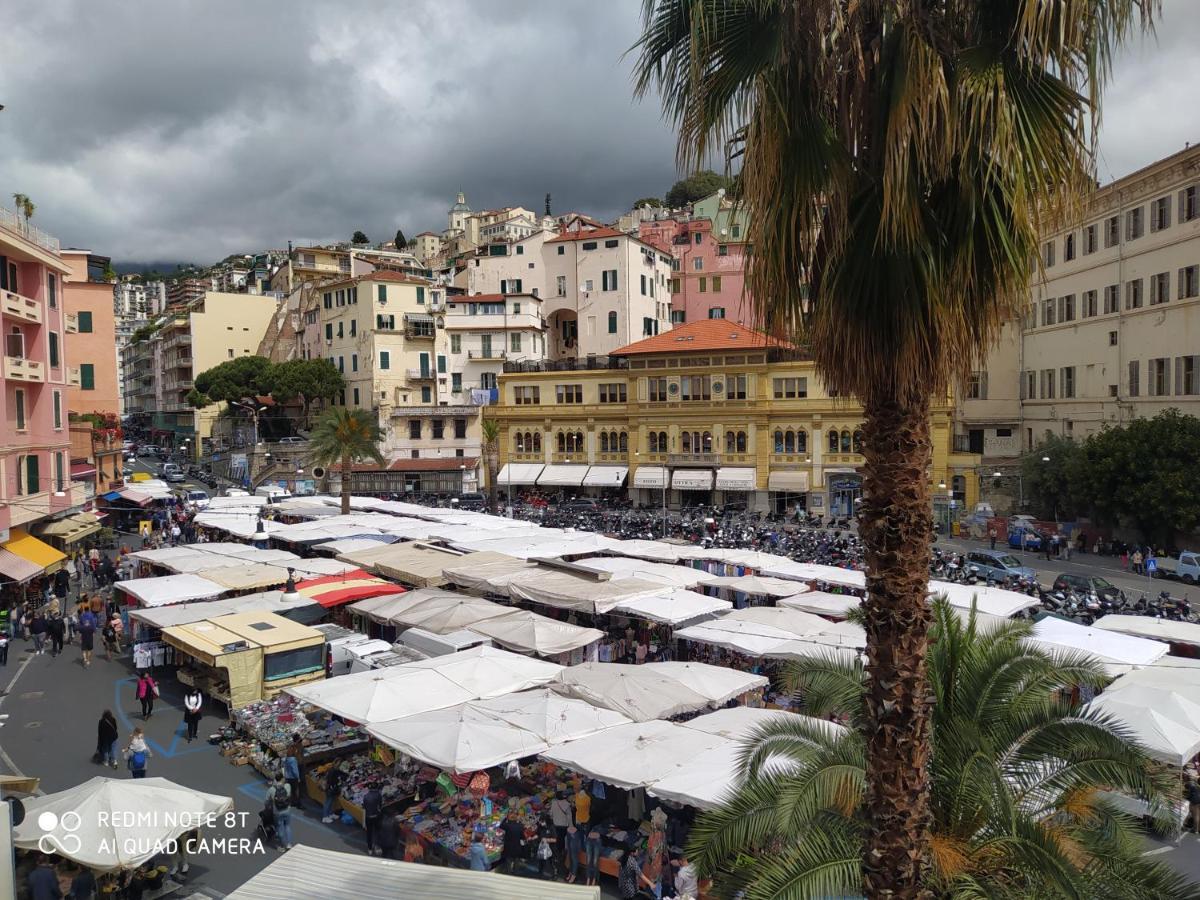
<point x="295" y="439"/>
<point x="1083" y="584"/>
<point x="236" y="492"/>
<point x="167" y="468"/>
<point x="1186" y="568"/>
<point x="472" y="500"/>
<point x="174" y="476"/>
<point x="581" y="504"/>
<point x="998" y="565"/>
<point x="1023" y="536"/>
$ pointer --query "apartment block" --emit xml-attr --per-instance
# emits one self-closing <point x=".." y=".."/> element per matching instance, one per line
<point x="94" y="386"/>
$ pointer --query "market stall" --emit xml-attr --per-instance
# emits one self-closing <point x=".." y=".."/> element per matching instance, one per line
<point x="168" y="589"/>
<point x="523" y="631"/>
<point x="666" y="574"/>
<point x="674" y="608"/>
<point x="752" y="590"/>
<point x="580" y="592"/>
<point x="485" y="671"/>
<point x="65" y="532"/>
<point x="821" y="603"/>
<point x="380" y="695"/>
<point x="448" y="612"/>
<point x="637" y="692"/>
<point x="234" y="578"/>
<point x="1117" y="652"/>
<point x="1182" y="637"/>
<point x="268" y="730"/>
<point x="486" y="576"/>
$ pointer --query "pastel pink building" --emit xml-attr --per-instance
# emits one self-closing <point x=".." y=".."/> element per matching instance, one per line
<point x="708" y="270"/>
<point x="35" y="442"/>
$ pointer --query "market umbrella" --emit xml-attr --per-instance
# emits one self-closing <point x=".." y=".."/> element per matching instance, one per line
<point x="636" y="691"/>
<point x="459" y="738"/>
<point x="451" y="612"/>
<point x="552" y="717"/>
<point x="674" y="607"/>
<point x="381" y="609"/>
<point x="717" y="683"/>
<point x="634" y="755"/>
<point x="759" y="585"/>
<point x="379" y="695"/>
<point x="529" y="632"/>
<point x="109" y="824"/>
<point x="484" y="671"/>
<point x="1167" y="723"/>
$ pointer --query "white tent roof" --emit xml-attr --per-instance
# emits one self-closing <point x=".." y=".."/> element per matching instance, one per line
<point x="241" y="523"/>
<point x="704" y="779"/>
<point x="96" y="811"/>
<point x="235" y="502"/>
<point x="636" y="691"/>
<point x="757" y="639"/>
<point x="459" y="738"/>
<point x="633" y="755"/>
<point x="354" y="544"/>
<point x="717" y="683"/>
<point x="605" y="476"/>
<point x="551" y="716"/>
<point x="448" y="612"/>
<point x="1113" y="649"/>
<point x="1166" y="722"/>
<point x="673" y="607"/>
<point x="759" y="584"/>
<point x="834" y="606"/>
<point x="788" y="568"/>
<point x="379" y="695"/>
<point x="566" y="590"/>
<point x="234" y="577"/>
<point x="251" y="554"/>
<point x="565" y="475"/>
<point x="319" y="566"/>
<point x="195" y="562"/>
<point x="169" y="589"/>
<point x="381" y="609"/>
<point x="352" y="876"/>
<point x="802" y="625"/>
<point x="1152" y="628"/>
<point x="737" y="723"/>
<point x="991" y="600"/>
<point x="663" y="573"/>
<point x="198" y="611"/>
<point x="658" y="551"/>
<point x="478" y="577"/>
<point x="484" y="671"/>
<point x="529" y="632"/>
<point x="543" y="546"/>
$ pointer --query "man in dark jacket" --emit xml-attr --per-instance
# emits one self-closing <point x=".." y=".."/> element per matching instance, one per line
<point x="514" y="843"/>
<point x="57" y="630"/>
<point x="43" y="881"/>
<point x="372" y="810"/>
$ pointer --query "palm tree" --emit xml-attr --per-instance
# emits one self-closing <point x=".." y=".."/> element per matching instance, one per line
<point x="344" y="436"/>
<point x="1016" y="811"/>
<point x="896" y="158"/>
<point x="491" y="457"/>
<point x="24" y="206"/>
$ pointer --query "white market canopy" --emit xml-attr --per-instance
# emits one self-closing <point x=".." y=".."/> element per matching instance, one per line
<point x="355" y="544"/>
<point x="567" y="590"/>
<point x="656" y="551"/>
<point x="633" y="755"/>
<point x="248" y="553"/>
<point x="549" y="545"/>
<point x="481" y="575"/>
<point x="198" y="611"/>
<point x="1153" y="628"/>
<point x="757" y="639"/>
<point x="120" y="823"/>
<point x="251" y="576"/>
<point x="663" y="573"/>
<point x="718" y="683"/>
<point x="352" y="876"/>
<point x="551" y="716"/>
<point x="169" y="589"/>
<point x="458" y="738"/>
<point x="519" y="474"/>
<point x="813" y="572"/>
<point x="676" y="607"/>
<point x="485" y="672"/>
<point x="1114" y="650"/>
<point x="321" y="566"/>
<point x="379" y="695"/>
<point x="635" y="691"/>
<point x="991" y="600"/>
<point x="804" y="626"/>
<point x="760" y="585"/>
<point x="447" y="612"/>
<point x="1165" y="721"/>
<point x="528" y="632"/>
<point x="381" y="609"/>
<point x="819" y="603"/>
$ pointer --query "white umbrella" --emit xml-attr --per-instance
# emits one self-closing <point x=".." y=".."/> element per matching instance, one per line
<point x="759" y="585"/>
<point x="835" y="606"/>
<point x="639" y="692"/>
<point x="634" y="755"/>
<point x="484" y="671"/>
<point x="1165" y="722"/>
<point x="550" y="716"/>
<point x="529" y="632"/>
<point x="675" y="607"/>
<point x="460" y="738"/>
<point x="717" y="683"/>
<point x="110" y="824"/>
<point x="379" y="695"/>
<point x="452" y="612"/>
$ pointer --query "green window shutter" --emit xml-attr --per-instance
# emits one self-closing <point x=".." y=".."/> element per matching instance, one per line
<point x="612" y="323"/>
<point x="32" y="475"/>
<point x="426" y="395"/>
<point x="85" y="322"/>
<point x="424" y="364"/>
<point x="87" y="377"/>
<point x="441" y="365"/>
<point x="59" y="474"/>
<point x="329" y="331"/>
<point x="420" y="296"/>
<point x="383" y="293"/>
<point x="385" y="359"/>
<point x="54" y="349"/>
<point x="456" y="382"/>
<point x="57" y="409"/>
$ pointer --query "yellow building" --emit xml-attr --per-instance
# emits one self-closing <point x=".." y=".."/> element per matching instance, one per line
<point x="710" y="412"/>
<point x="306" y="264"/>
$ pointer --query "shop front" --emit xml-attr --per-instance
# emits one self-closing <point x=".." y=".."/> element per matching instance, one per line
<point x="737" y="486"/>
<point x="845" y="490"/>
<point x="695" y="486"/>
<point x="788" y="491"/>
<point x="651" y="483"/>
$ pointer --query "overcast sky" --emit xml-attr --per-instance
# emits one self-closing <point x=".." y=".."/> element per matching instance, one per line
<point x="188" y="130"/>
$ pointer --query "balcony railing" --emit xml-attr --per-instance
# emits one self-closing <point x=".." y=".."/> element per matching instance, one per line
<point x="487" y="354"/>
<point x="10" y="221"/>
<point x="73" y="377"/>
<point x="421" y="374"/>
<point x="693" y="459"/>
<point x="71" y="323"/>
<point x="18" y="368"/>
<point x="20" y="307"/>
<point x="583" y="364"/>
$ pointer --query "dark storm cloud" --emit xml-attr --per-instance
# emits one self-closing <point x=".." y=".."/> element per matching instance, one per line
<point x="189" y="130"/>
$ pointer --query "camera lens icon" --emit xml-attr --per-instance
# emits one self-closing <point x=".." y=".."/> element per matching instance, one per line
<point x="67" y="842"/>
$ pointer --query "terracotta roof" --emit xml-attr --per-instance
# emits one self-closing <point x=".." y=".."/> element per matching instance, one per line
<point x="377" y="275"/>
<point x="587" y="235"/>
<point x="706" y="334"/>
<point x="432" y="464"/>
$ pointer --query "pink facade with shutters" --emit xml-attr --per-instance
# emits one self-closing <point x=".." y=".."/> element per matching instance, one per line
<point x="708" y="275"/>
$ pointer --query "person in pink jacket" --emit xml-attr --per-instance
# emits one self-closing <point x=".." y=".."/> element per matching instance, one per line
<point x="147" y="690"/>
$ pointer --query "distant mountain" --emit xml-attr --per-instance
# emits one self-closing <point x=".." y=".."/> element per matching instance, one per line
<point x="166" y="268"/>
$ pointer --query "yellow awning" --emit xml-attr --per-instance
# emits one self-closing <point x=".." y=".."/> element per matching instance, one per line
<point x="26" y="546"/>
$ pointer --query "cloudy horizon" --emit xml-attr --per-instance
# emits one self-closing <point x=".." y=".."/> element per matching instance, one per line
<point x="185" y="131"/>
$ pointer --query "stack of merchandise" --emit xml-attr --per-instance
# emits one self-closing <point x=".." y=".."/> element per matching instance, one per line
<point x="397" y="780"/>
<point x="274" y="723"/>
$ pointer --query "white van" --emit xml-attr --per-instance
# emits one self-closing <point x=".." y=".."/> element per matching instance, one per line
<point x="338" y="641"/>
<point x="198" y="499"/>
<point x="441" y="644"/>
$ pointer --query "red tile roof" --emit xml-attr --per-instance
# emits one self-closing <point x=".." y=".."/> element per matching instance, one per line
<point x="707" y="334"/>
<point x="587" y="234"/>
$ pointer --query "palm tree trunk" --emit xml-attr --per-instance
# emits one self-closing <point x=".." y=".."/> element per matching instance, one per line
<point x="896" y="528"/>
<point x="347" y="466"/>
<point x="493" y="471"/>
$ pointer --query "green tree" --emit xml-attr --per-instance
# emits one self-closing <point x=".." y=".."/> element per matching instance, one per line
<point x="1050" y="473"/>
<point x="308" y="379"/>
<point x="235" y="379"/>
<point x="695" y="187"/>
<point x="399" y="240"/>
<point x="653" y="202"/>
<point x="24" y="206"/>
<point x="896" y="158"/>
<point x="491" y="459"/>
<point x="1016" y="772"/>
<point x="344" y="436"/>
<point x="360" y="238"/>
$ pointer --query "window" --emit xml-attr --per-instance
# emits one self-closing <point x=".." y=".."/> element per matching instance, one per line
<point x="716" y="285"/>
<point x="658" y="442"/>
<point x="1112" y="390"/>
<point x="613" y="243"/>
<point x="514" y="342"/>
<point x="356" y="396"/>
<point x="1135" y="224"/>
<point x="716" y="312"/>
<point x="703" y="285"/>
<point x="1133" y="294"/>
<point x="1066" y="308"/>
<point x="1089" y="305"/>
<point x="1048" y="254"/>
<point x="456" y="382"/>
<point x="561" y="283"/>
<point x="608" y="280"/>
<point x="649" y="326"/>
<point x="85" y="321"/>
<point x="735" y="442"/>
<point x="1135" y="368"/>
<point x="54" y="361"/>
<point x="562" y="250"/>
<point x="1160" y="288"/>
<point x="341" y="329"/>
<point x="613" y="393"/>
<point x="385" y="323"/>
<point x="460" y="429"/>
<point x="735" y="387"/>
<point x="1112" y="301"/>
<point x="51" y="290"/>
<point x="643" y="284"/>
<point x="1189" y="204"/>
<point x="678" y="316"/>
<point x="657" y="390"/>
<point x="414" y="429"/>
<point x="1069" y="248"/>
<point x="60" y="473"/>
<point x="441" y="364"/>
<point x="1066" y="380"/>
<point x="1112" y="231"/>
<point x="1029" y="386"/>
<point x="587" y="285"/>
<point x="58" y="409"/>
<point x="790" y="388"/>
<point x="33" y="480"/>
<point x="1158" y="377"/>
<point x="527" y="395"/>
<point x="353" y="362"/>
<point x="329" y="331"/>
<point x="695" y="387"/>
<point x="353" y="327"/>
<point x="87" y="377"/>
<point x="568" y="393"/>
<point x="426" y="394"/>
<point x="1160" y="214"/>
<point x="1186" y="382"/>
<point x="1188" y="283"/>
<point x="456" y="343"/>
<point x="1089" y="240"/>
<point x="1047" y="384"/>
<point x="832" y="442"/>
<point x="385" y="359"/>
<point x="1112" y="339"/>
<point x="1048" y="311"/>
<point x="674" y="265"/>
<point x="439" y="429"/>
<point x="510" y="286"/>
<point x="382" y="293"/>
<point x="19" y="395"/>
<point x="612" y="323"/>
<point x="977" y="386"/>
<point x="698" y="264"/>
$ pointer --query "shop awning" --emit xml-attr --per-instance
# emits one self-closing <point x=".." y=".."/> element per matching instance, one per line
<point x="736" y="479"/>
<point x="83" y="470"/>
<point x="692" y="479"/>
<point x="519" y="473"/>
<point x="71" y="528"/>
<point x="334" y="590"/>
<point x="605" y="476"/>
<point x="21" y="543"/>
<point x="141" y="498"/>
<point x="796" y="482"/>
<point x="650" y="477"/>
<point x="110" y="496"/>
<point x="562" y="476"/>
<point x="14" y="568"/>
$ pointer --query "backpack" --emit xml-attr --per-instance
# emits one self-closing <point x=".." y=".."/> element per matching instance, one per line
<point x="282" y="796"/>
<point x="137" y="760"/>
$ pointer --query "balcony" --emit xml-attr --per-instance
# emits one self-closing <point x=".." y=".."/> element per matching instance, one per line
<point x="19" y="307"/>
<point x="177" y="340"/>
<point x="693" y="459"/>
<point x="495" y="354"/>
<point x="10" y="221"/>
<point x="71" y="323"/>
<point x="18" y="368"/>
<point x="73" y="377"/>
<point x="572" y="364"/>
<point x="421" y="374"/>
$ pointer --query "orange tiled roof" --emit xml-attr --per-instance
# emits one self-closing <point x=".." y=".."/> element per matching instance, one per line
<point x="377" y="275"/>
<point x="587" y="234"/>
<point x="707" y="334"/>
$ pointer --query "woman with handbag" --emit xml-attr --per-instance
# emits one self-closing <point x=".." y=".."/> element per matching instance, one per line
<point x="147" y="690"/>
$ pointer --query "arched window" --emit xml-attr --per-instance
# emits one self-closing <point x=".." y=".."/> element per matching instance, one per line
<point x="579" y="442"/>
<point x="662" y="442"/>
<point x="741" y="442"/>
<point x="801" y="441"/>
<point x="707" y="443"/>
<point x="562" y="443"/>
<point x="537" y="442"/>
<point x="857" y="441"/>
<point x="687" y="442"/>
<point x="612" y="323"/>
<point x="730" y="442"/>
<point x="789" y="442"/>
<point x="604" y="442"/>
<point x="653" y="439"/>
<point x="778" y="440"/>
<point x="846" y="441"/>
<point x="520" y="439"/>
<point x="623" y="442"/>
<point x="833" y="440"/>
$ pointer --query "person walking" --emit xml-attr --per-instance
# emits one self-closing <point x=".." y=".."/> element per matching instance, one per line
<point x="279" y="801"/>
<point x="561" y="816"/>
<point x="193" y="700"/>
<point x="87" y="634"/>
<point x="1136" y="561"/>
<point x="83" y="885"/>
<point x="992" y="537"/>
<point x="513" y="848"/>
<point x="147" y="690"/>
<point x="389" y="835"/>
<point x="43" y="881"/>
<point x="294" y="768"/>
<point x="3" y="646"/>
<point x="56" y="629"/>
<point x="137" y="754"/>
<point x="37" y="628"/>
<point x="372" y="810"/>
<point x="106" y="739"/>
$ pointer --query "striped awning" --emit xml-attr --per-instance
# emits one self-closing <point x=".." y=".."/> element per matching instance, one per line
<point x="335" y="590"/>
<point x="692" y="479"/>
<point x="14" y="568"/>
<point x="650" y="477"/>
<point x="605" y="476"/>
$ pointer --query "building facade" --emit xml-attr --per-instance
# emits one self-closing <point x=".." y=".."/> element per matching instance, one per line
<point x="91" y="348"/>
<point x="184" y="291"/>
<point x="35" y="443"/>
<point x="711" y="412"/>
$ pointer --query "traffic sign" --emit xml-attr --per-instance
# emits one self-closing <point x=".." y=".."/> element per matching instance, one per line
<point x="1151" y="566"/>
